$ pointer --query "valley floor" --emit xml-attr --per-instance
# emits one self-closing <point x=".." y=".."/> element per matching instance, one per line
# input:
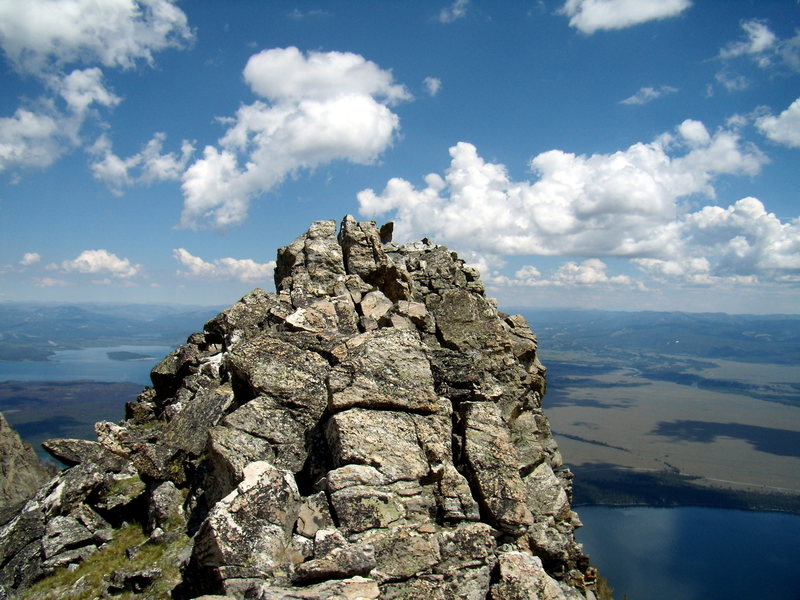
<point x="720" y="433"/>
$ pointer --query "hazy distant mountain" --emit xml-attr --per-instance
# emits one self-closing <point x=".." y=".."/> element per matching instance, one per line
<point x="748" y="338"/>
<point x="33" y="331"/>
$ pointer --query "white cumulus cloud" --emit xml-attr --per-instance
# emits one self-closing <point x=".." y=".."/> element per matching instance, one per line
<point x="45" y="282"/>
<point x="36" y="137"/>
<point x="591" y="272"/>
<point x="590" y="16"/>
<point x="147" y="166"/>
<point x="101" y="262"/>
<point x="741" y="243"/>
<point x="759" y="43"/>
<point x="110" y="168"/>
<point x="783" y="129"/>
<point x="298" y="14"/>
<point x="40" y="35"/>
<point x="619" y="204"/>
<point x="286" y="74"/>
<point x="453" y="12"/>
<point x="319" y="107"/>
<point x="763" y="47"/>
<point x="29" y="138"/>
<point x="43" y="38"/>
<point x="743" y="239"/>
<point x="244" y="269"/>
<point x="694" y="133"/>
<point x="732" y="81"/>
<point x="691" y="270"/>
<point x="647" y="94"/>
<point x="84" y="87"/>
<point x="30" y="258"/>
<point x="630" y="204"/>
<point x="433" y="85"/>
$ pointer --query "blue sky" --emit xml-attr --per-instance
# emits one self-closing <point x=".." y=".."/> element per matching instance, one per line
<point x="618" y="154"/>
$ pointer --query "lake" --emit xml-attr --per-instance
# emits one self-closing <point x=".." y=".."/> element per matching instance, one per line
<point x="87" y="363"/>
<point x="691" y="553"/>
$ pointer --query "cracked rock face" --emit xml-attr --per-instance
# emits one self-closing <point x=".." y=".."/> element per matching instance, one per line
<point x="372" y="430"/>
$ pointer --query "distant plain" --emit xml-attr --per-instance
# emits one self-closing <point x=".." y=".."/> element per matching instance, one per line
<point x="631" y="421"/>
<point x="642" y="427"/>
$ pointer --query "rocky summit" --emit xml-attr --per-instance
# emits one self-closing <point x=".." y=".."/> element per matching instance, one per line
<point x="372" y="430"/>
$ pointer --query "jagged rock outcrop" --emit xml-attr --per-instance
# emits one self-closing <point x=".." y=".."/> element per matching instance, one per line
<point x="21" y="471"/>
<point x="372" y="430"/>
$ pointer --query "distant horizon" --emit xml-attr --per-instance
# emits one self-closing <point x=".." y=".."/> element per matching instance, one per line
<point x="501" y="307"/>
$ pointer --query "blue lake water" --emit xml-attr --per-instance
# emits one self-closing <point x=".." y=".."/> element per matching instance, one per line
<point x="691" y="553"/>
<point x="87" y="363"/>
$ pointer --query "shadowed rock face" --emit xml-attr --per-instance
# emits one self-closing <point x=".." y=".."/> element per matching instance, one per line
<point x="372" y="430"/>
<point x="21" y="471"/>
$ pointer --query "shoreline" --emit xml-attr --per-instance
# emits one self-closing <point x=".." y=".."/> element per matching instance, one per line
<point x="664" y="489"/>
<point x="782" y="511"/>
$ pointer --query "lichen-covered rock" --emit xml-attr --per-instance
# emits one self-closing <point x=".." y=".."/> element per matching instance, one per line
<point x="247" y="533"/>
<point x="492" y="461"/>
<point x="74" y="452"/>
<point x="522" y="576"/>
<point x="164" y="507"/>
<point x="374" y="429"/>
<point x="21" y="546"/>
<point x="313" y="264"/>
<point x="337" y="560"/>
<point x="188" y="428"/>
<point x="386" y="369"/>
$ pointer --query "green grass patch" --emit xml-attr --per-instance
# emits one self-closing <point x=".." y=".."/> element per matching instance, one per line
<point x="85" y="582"/>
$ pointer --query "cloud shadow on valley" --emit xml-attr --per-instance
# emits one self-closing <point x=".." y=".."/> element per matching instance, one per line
<point x="51" y="427"/>
<point x="554" y="399"/>
<point x="781" y="442"/>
